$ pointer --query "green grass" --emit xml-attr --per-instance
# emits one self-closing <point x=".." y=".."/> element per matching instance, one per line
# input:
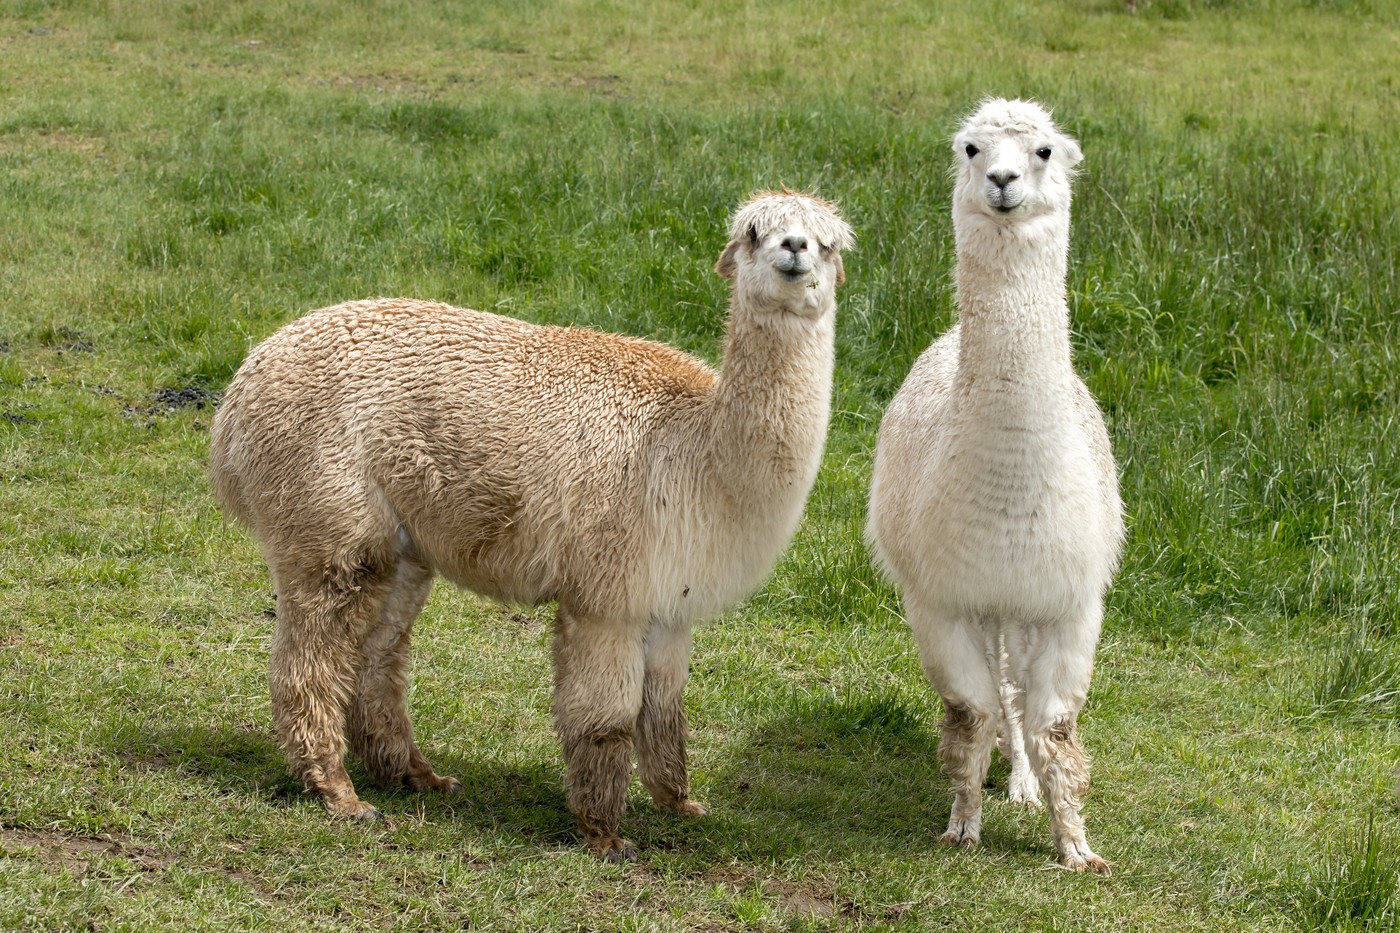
<point x="177" y="179"/>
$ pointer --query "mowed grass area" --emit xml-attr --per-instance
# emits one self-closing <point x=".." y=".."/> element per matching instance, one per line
<point x="178" y="179"/>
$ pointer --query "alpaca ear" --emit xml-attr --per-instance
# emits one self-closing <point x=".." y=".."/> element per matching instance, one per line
<point x="728" y="264"/>
<point x="840" y="270"/>
<point x="1071" y="151"/>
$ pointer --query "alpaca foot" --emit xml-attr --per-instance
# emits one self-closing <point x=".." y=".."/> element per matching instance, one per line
<point x="352" y="808"/>
<point x="1025" y="790"/>
<point x="444" y="784"/>
<point x="612" y="849"/>
<point x="966" y="834"/>
<point x="1078" y="857"/>
<point x="685" y="807"/>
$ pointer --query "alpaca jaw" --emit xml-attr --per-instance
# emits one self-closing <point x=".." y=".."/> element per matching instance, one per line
<point x="1004" y="200"/>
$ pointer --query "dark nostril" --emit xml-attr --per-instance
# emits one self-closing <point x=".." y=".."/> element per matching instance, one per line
<point x="794" y="244"/>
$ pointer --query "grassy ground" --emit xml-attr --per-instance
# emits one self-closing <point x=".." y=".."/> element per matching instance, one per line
<point x="177" y="179"/>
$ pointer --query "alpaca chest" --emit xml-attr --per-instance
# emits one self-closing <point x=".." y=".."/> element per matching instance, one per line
<point x="1015" y="524"/>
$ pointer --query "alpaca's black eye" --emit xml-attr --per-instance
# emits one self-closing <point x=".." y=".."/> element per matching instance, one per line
<point x="1044" y="153"/>
<point x="971" y="150"/>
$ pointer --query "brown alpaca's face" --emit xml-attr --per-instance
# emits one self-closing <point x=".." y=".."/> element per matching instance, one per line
<point x="785" y="252"/>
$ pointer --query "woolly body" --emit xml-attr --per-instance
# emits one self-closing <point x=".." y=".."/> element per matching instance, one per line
<point x="994" y="503"/>
<point x="372" y="443"/>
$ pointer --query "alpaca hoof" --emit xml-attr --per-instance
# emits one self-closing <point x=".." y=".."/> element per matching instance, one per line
<point x="1094" y="864"/>
<point x="1082" y="859"/>
<point x="354" y="809"/>
<point x="689" y="808"/>
<point x="613" y="850"/>
<point x="1026" y="796"/>
<point x="960" y="837"/>
<point x="439" y="783"/>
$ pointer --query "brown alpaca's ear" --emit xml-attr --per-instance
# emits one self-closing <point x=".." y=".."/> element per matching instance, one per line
<point x="728" y="265"/>
<point x="840" y="270"/>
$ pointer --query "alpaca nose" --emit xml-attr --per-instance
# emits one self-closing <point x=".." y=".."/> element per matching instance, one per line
<point x="1002" y="177"/>
<point x="794" y="243"/>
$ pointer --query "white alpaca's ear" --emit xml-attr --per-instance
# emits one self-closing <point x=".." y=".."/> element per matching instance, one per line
<point x="840" y="270"/>
<point x="1072" y="153"/>
<point x="728" y="265"/>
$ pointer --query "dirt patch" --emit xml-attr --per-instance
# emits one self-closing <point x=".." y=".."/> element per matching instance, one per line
<point x="77" y="854"/>
<point x="798" y="899"/>
<point x="164" y="401"/>
<point x="16" y="418"/>
<point x="187" y="397"/>
<point x="80" y="855"/>
<point x="530" y="623"/>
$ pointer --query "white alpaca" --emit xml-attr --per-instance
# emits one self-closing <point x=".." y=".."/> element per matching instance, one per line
<point x="994" y="503"/>
<point x="370" y="444"/>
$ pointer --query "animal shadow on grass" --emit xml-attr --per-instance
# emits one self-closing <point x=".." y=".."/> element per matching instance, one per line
<point x="857" y="774"/>
<point x="843" y="775"/>
<point x="525" y="801"/>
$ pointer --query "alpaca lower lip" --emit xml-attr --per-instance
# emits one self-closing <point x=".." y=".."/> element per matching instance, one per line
<point x="795" y="274"/>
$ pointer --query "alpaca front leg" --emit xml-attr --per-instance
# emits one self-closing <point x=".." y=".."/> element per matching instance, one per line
<point x="1064" y="774"/>
<point x="956" y="661"/>
<point x="1056" y="688"/>
<point x="598" y="673"/>
<point x="661" y="727"/>
<point x="965" y="749"/>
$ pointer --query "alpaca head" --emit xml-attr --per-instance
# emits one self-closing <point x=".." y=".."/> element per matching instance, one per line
<point x="784" y="253"/>
<point x="1013" y="165"/>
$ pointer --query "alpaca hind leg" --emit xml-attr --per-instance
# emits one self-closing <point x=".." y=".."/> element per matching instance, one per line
<point x="598" y="673"/>
<point x="661" y="726"/>
<point x="1056" y="687"/>
<point x="1023" y="787"/>
<point x="380" y="729"/>
<point x="954" y="656"/>
<point x="311" y="674"/>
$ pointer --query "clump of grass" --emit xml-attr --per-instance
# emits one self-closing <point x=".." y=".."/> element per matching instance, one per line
<point x="1360" y="675"/>
<point x="1355" y="886"/>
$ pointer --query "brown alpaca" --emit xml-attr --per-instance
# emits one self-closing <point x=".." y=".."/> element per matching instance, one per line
<point x="370" y="444"/>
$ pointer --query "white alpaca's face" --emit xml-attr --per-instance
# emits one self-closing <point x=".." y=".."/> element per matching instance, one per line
<point x="784" y="253"/>
<point x="1013" y="163"/>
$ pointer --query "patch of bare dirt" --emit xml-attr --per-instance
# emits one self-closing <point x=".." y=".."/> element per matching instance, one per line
<point x="77" y="854"/>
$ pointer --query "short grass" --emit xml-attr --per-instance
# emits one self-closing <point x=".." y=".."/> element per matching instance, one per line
<point x="177" y="179"/>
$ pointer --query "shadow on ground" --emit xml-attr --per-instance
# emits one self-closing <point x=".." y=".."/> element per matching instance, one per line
<point x="837" y="776"/>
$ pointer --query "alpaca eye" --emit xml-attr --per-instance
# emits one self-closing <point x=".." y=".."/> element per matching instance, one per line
<point x="971" y="150"/>
<point x="1044" y="153"/>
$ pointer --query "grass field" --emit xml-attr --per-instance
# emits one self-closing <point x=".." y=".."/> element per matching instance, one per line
<point x="178" y="179"/>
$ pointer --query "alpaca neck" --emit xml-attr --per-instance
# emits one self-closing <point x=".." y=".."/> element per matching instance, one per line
<point x="1011" y="304"/>
<point x="772" y="403"/>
